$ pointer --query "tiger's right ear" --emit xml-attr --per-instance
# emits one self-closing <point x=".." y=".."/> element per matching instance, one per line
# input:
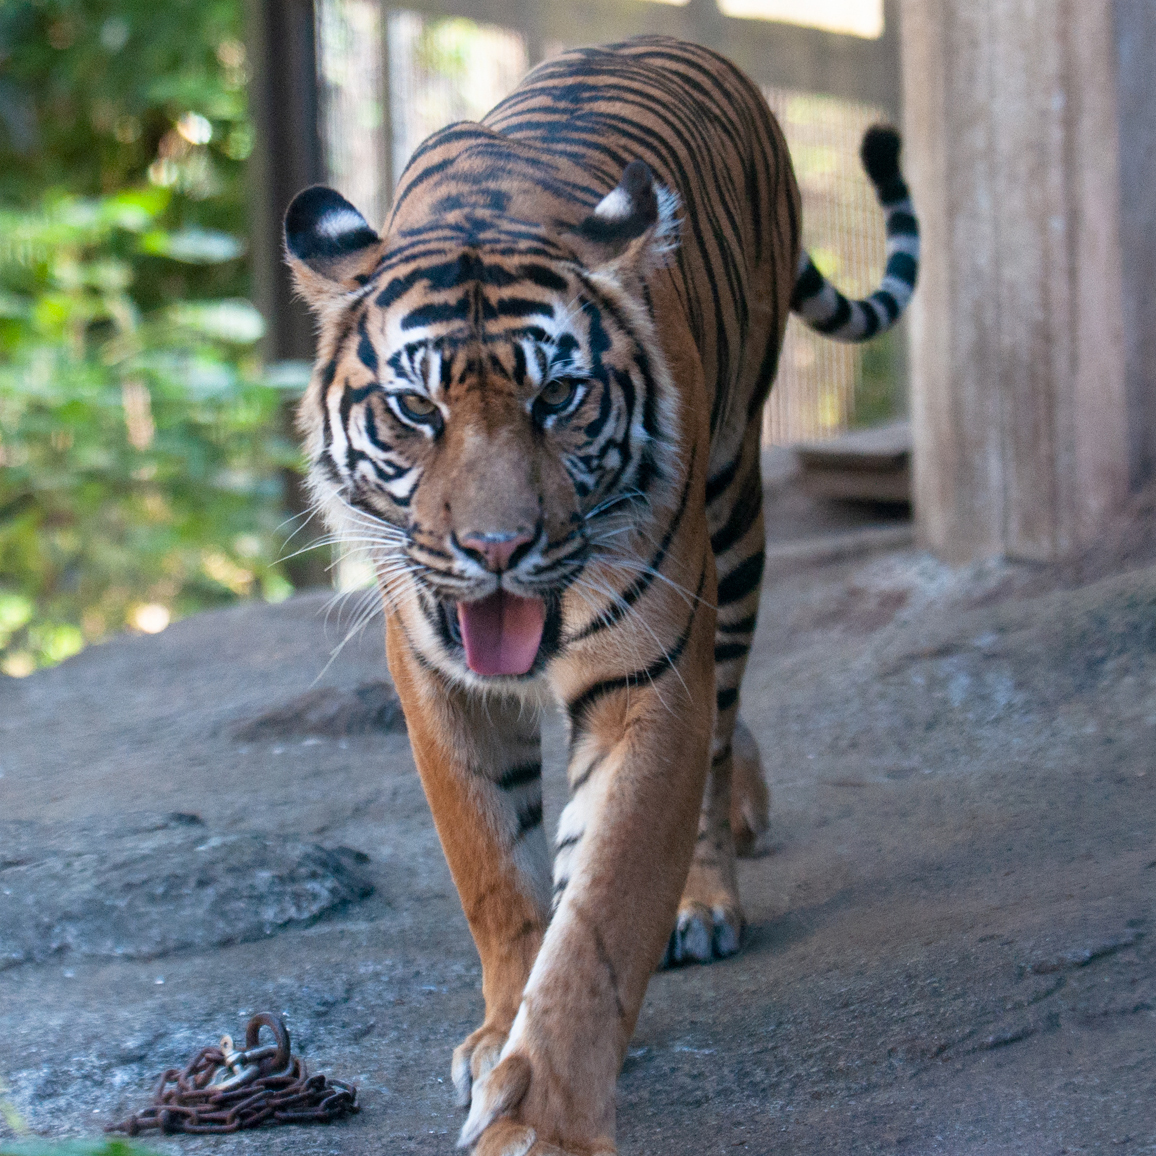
<point x="634" y="228"/>
<point x="329" y="246"/>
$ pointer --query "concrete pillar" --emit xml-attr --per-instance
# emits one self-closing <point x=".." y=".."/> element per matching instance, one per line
<point x="1032" y="329"/>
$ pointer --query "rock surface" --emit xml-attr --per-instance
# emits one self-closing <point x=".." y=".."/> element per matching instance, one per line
<point x="952" y="943"/>
<point x="149" y="886"/>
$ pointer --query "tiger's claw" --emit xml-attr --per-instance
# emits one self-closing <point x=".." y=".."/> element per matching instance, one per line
<point x="702" y="935"/>
<point x="474" y="1058"/>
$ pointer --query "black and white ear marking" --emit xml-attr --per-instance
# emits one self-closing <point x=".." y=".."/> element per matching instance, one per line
<point x="321" y="226"/>
<point x="625" y="212"/>
<point x="328" y="243"/>
<point x="636" y="222"/>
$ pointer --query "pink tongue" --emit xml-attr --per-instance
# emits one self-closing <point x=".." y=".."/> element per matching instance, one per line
<point x="502" y="633"/>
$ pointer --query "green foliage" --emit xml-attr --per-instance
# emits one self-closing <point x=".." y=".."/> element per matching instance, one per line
<point x="140" y="465"/>
<point x="102" y="1147"/>
<point x="10" y="1116"/>
<point x="97" y="92"/>
<point x="879" y="393"/>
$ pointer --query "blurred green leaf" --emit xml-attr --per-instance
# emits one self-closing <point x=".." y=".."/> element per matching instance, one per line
<point x="194" y="246"/>
<point x="292" y="376"/>
<point x="135" y="209"/>
<point x="12" y="306"/>
<point x="129" y="206"/>
<point x="235" y="321"/>
<point x="55" y="641"/>
<point x="15" y="611"/>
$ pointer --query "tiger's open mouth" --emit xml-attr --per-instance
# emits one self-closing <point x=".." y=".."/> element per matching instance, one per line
<point x="501" y="633"/>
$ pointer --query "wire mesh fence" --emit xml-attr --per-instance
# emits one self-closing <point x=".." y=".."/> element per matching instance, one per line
<point x="353" y="74"/>
<point x="446" y="70"/>
<point x="818" y="380"/>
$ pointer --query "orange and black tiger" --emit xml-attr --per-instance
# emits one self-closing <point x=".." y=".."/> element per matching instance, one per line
<point x="537" y="402"/>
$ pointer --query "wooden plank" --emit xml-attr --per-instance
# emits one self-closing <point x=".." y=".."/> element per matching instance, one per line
<point x="879" y="449"/>
<point x="868" y="465"/>
<point x="892" y="487"/>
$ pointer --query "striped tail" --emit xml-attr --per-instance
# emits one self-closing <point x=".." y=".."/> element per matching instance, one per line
<point x="820" y="304"/>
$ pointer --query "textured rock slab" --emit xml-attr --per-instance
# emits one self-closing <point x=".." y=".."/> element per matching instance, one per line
<point x="152" y="885"/>
<point x="329" y="712"/>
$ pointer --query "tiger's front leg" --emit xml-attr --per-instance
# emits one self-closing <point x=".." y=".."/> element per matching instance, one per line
<point x="639" y="752"/>
<point x="481" y="769"/>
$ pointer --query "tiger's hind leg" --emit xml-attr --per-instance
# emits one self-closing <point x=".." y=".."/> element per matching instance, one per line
<point x="750" y="795"/>
<point x="736" y="802"/>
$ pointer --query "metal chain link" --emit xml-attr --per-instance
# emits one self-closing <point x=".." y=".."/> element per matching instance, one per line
<point x="224" y="1090"/>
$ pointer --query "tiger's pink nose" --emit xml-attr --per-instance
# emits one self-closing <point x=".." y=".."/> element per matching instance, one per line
<point x="497" y="549"/>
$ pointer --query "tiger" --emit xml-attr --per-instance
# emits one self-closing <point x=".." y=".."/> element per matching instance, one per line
<point x="536" y="404"/>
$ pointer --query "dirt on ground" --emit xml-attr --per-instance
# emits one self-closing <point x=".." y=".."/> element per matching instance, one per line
<point x="952" y="941"/>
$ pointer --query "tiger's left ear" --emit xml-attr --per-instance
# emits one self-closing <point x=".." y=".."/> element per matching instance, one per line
<point x="635" y="225"/>
<point x="329" y="246"/>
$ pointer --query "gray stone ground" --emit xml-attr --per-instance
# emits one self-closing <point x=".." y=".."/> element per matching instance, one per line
<point x="951" y="945"/>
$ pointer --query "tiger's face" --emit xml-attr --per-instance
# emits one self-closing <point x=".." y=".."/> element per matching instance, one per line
<point x="483" y="416"/>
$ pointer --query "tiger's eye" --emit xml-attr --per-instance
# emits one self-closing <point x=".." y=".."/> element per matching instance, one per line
<point x="555" y="396"/>
<point x="416" y="406"/>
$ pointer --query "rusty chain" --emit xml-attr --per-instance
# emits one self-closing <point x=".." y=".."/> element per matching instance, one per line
<point x="224" y="1090"/>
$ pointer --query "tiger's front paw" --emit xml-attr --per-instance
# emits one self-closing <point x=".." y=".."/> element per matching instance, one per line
<point x="505" y="1121"/>
<point x="505" y="1138"/>
<point x="475" y="1057"/>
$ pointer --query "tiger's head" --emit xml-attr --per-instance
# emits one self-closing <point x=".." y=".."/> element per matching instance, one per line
<point x="489" y="401"/>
